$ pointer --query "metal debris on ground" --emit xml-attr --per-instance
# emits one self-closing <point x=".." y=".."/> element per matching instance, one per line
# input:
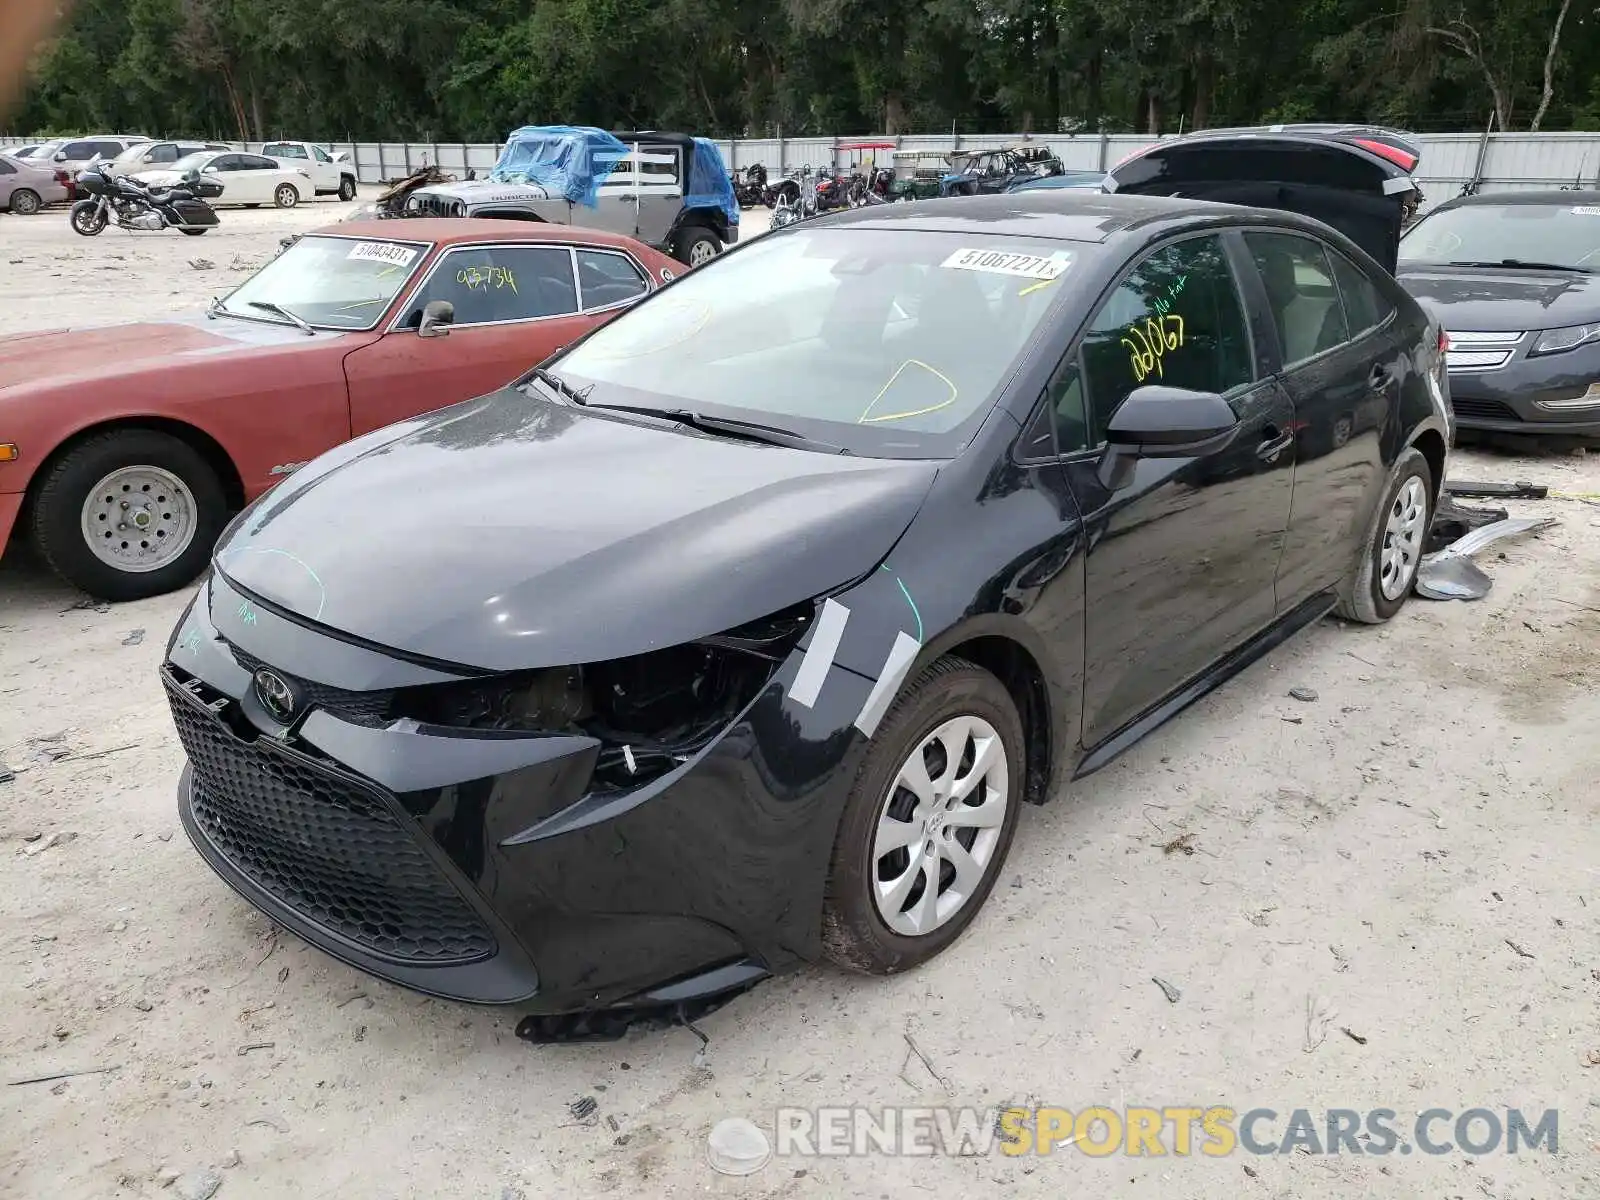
<point x="59" y="838"/>
<point x="1521" y="953"/>
<point x="1182" y="844"/>
<point x="1168" y="990"/>
<point x="1319" y="1016"/>
<point x="1497" y="491"/>
<point x="1452" y="521"/>
<point x="584" y="1108"/>
<point x="64" y="1075"/>
<point x="1450" y="574"/>
<point x="202" y="264"/>
<point x="915" y="1051"/>
<point x="1303" y="694"/>
<point x="1353" y="1036"/>
<point x="249" y="1046"/>
<point x="6" y="773"/>
<point x="135" y="637"/>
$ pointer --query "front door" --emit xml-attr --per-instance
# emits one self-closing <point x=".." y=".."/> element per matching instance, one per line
<point x="1343" y="360"/>
<point x="514" y="306"/>
<point x="1181" y="562"/>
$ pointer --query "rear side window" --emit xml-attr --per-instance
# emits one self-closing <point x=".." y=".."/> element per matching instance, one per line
<point x="6" y="168"/>
<point x="608" y="279"/>
<point x="282" y="150"/>
<point x="488" y="284"/>
<point x="77" y="150"/>
<point x="1175" y="320"/>
<point x="164" y="153"/>
<point x="1365" y="306"/>
<point x="1304" y="299"/>
<point x="109" y="149"/>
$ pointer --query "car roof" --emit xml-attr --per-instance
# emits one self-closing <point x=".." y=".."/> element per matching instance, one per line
<point x="1069" y="214"/>
<point x="1553" y="196"/>
<point x="451" y="230"/>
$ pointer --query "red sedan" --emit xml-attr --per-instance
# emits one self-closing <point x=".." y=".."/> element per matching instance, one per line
<point x="123" y="450"/>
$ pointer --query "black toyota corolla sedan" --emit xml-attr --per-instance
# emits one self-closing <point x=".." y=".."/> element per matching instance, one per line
<point x="738" y="634"/>
<point x="1515" y="279"/>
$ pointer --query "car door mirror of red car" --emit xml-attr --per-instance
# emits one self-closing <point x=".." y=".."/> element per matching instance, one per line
<point x="437" y="316"/>
<point x="1157" y="421"/>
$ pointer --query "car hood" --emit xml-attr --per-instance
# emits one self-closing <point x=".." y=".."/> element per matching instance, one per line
<point x="483" y="191"/>
<point x="50" y="356"/>
<point x="511" y="533"/>
<point x="1497" y="299"/>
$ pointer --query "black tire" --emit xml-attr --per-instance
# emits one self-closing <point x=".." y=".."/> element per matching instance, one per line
<point x="286" y="195"/>
<point x="86" y="218"/>
<point x="347" y="188"/>
<point x="694" y="241"/>
<point x="25" y="202"/>
<point x="854" y="934"/>
<point x="63" y="488"/>
<point x="193" y="232"/>
<point x="1361" y="596"/>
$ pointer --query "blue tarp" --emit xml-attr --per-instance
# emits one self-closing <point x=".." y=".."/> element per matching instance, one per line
<point x="709" y="185"/>
<point x="566" y="160"/>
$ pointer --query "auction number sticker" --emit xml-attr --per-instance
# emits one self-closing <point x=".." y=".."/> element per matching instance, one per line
<point x="383" y="252"/>
<point x="1587" y="210"/>
<point x="1004" y="262"/>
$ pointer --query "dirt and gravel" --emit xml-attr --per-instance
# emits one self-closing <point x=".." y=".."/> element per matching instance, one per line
<point x="1409" y="854"/>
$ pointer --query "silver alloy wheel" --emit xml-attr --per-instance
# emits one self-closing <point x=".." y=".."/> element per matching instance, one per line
<point x="25" y="202"/>
<point x="139" y="519"/>
<point x="701" y="253"/>
<point x="287" y="196"/>
<point x="1403" y="534"/>
<point x="939" y="826"/>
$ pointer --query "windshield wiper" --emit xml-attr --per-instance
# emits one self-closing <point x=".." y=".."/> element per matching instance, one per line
<point x="560" y="386"/>
<point x="269" y="306"/>
<point x="1528" y="264"/>
<point x="750" y="431"/>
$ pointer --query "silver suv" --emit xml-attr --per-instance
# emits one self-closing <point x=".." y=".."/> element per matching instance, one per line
<point x="74" y="154"/>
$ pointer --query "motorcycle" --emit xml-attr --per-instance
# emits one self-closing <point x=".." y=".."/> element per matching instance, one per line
<point x="751" y="190"/>
<point x="137" y="206"/>
<point x="832" y="192"/>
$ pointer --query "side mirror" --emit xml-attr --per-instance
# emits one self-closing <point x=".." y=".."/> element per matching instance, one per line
<point x="61" y="156"/>
<point x="1157" y="421"/>
<point x="437" y="316"/>
<point x="212" y="170"/>
<point x="340" y="156"/>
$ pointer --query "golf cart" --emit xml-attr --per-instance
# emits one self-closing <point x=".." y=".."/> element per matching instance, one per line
<point x="669" y="190"/>
<point x="917" y="174"/>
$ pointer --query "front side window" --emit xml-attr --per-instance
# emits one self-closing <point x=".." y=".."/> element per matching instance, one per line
<point x="892" y="343"/>
<point x="1301" y="293"/>
<point x="322" y="155"/>
<point x="1175" y="320"/>
<point x="608" y="279"/>
<point x="488" y="284"/>
<point x="334" y="282"/>
<point x="1508" y="235"/>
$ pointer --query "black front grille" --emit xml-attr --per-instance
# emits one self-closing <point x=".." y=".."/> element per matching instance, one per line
<point x="325" y="844"/>
<point x="1482" y="410"/>
<point x="365" y="707"/>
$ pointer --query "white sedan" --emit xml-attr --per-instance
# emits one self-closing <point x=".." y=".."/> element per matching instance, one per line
<point x="245" y="178"/>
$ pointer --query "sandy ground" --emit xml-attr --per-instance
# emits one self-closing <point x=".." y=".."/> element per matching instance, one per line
<point x="1373" y="853"/>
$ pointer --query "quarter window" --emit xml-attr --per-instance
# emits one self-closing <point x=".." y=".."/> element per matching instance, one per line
<point x="486" y="284"/>
<point x="1175" y="320"/>
<point x="608" y="279"/>
<point x="1301" y="293"/>
<point x="1365" y="307"/>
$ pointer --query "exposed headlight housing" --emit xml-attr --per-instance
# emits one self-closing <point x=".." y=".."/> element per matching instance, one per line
<point x="1557" y="341"/>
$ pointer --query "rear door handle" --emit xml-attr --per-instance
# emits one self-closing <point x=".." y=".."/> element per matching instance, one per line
<point x="1380" y="377"/>
<point x="1273" y="444"/>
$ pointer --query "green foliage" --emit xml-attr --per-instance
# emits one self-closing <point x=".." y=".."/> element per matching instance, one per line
<point x="469" y="70"/>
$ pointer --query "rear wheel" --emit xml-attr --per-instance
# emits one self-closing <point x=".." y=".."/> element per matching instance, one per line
<point x="287" y="195"/>
<point x="128" y="514"/>
<point x="695" y="245"/>
<point x="1392" y="551"/>
<point x="25" y="202"/>
<point x="928" y="822"/>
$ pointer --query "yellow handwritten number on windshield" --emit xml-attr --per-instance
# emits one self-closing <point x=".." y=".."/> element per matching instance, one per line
<point x="1148" y="343"/>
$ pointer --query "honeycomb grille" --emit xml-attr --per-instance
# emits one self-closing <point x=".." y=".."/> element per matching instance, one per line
<point x="326" y="846"/>
<point x="366" y="708"/>
<point x="1483" y="410"/>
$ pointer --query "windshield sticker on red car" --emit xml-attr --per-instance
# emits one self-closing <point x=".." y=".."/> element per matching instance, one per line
<point x="383" y="252"/>
<point x="1003" y="262"/>
<point x="1587" y="210"/>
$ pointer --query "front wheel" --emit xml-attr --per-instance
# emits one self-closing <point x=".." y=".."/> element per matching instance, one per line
<point x="287" y="195"/>
<point x="928" y="822"/>
<point x="87" y="218"/>
<point x="347" y="189"/>
<point x="193" y="232"/>
<point x="128" y="514"/>
<point x="696" y="245"/>
<point x="1392" y="550"/>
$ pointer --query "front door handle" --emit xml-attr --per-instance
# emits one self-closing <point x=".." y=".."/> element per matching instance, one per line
<point x="1273" y="444"/>
<point x="1381" y="377"/>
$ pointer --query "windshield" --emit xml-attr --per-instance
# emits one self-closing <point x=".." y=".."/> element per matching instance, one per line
<point x="192" y="162"/>
<point x="132" y="152"/>
<point x="333" y="282"/>
<point x="1559" y="234"/>
<point x="892" y="343"/>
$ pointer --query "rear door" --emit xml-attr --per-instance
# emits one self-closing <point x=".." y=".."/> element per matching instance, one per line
<point x="1182" y="562"/>
<point x="1342" y="361"/>
<point x="515" y="304"/>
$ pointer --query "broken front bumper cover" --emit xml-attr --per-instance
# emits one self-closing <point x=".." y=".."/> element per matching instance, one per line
<point x="483" y="865"/>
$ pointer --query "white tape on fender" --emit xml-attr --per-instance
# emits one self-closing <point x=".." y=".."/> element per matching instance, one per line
<point x="819" y="654"/>
<point x="1004" y="262"/>
<point x="901" y="655"/>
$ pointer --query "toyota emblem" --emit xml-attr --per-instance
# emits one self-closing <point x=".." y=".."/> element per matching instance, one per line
<point x="275" y="694"/>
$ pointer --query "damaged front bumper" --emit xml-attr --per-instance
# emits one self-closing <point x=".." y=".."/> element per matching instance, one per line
<point x="501" y="865"/>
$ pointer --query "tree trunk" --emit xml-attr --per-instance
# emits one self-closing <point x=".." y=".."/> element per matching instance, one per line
<point x="1205" y="83"/>
<point x="1052" y="74"/>
<point x="894" y="112"/>
<point x="239" y="120"/>
<point x="255" y="112"/>
<point x="1093" y="85"/>
<point x="1153" y="114"/>
<point x="1550" y="68"/>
